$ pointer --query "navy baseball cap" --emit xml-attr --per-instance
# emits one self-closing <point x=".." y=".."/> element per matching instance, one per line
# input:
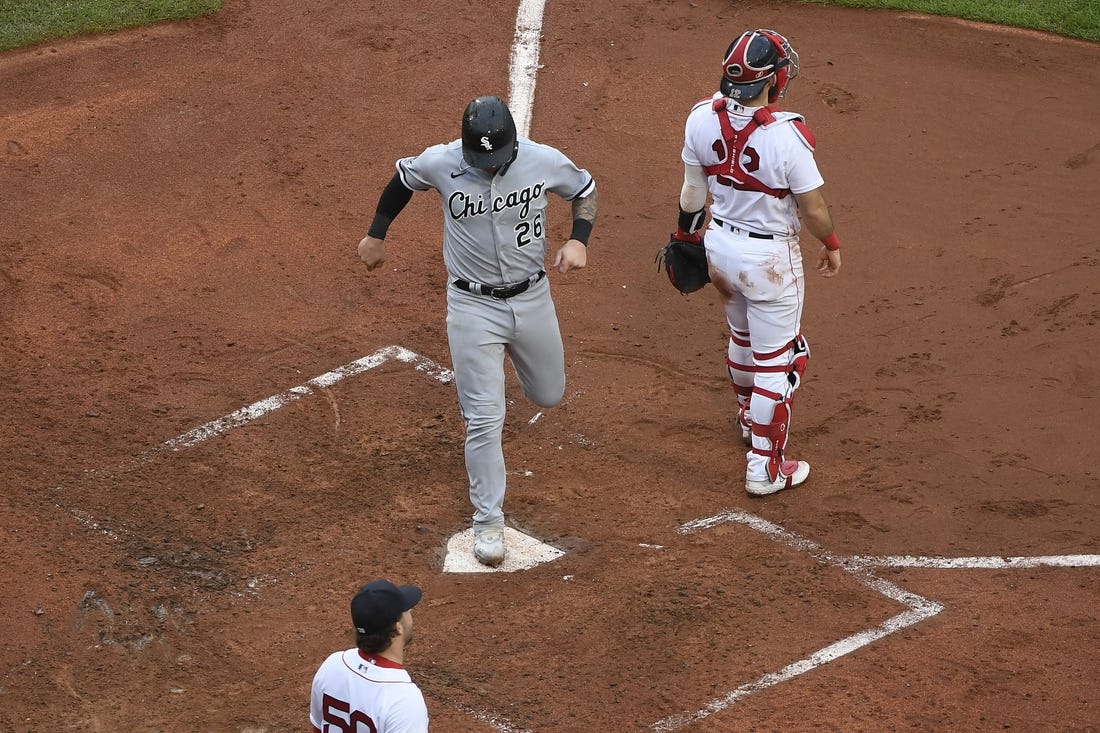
<point x="379" y="604"/>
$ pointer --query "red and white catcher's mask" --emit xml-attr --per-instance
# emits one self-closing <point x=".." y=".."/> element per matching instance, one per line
<point x="752" y="59"/>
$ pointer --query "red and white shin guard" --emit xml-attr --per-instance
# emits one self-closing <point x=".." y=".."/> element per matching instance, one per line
<point x="778" y="375"/>
<point x="775" y="432"/>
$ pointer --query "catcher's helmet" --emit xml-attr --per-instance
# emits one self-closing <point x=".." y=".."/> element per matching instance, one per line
<point x="752" y="59"/>
<point x="488" y="134"/>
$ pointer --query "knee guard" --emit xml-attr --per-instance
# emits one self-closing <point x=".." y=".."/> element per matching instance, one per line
<point x="800" y="357"/>
<point x="790" y="360"/>
<point x="778" y="375"/>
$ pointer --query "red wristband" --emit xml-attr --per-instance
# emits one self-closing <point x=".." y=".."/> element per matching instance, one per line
<point x="831" y="242"/>
<point x="690" y="237"/>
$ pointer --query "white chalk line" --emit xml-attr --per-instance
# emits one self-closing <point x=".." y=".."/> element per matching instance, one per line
<point x="89" y="522"/>
<point x="857" y="562"/>
<point x="920" y="608"/>
<point x="524" y="63"/>
<point x="256" y="410"/>
<point x="822" y="656"/>
<point x="494" y="721"/>
<point x="977" y="563"/>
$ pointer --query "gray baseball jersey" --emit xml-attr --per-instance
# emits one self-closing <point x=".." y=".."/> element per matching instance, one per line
<point x="494" y="226"/>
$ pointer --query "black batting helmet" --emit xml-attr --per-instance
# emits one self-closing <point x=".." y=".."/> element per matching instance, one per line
<point x="752" y="59"/>
<point x="488" y="133"/>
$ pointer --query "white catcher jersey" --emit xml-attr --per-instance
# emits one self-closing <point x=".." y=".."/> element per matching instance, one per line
<point x="779" y="155"/>
<point x="355" y="692"/>
<point x="494" y="226"/>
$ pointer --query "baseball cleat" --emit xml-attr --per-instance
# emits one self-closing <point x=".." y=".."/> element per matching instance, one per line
<point x="791" y="474"/>
<point x="489" y="546"/>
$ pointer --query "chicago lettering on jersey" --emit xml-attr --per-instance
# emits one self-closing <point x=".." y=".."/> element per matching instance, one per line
<point x="462" y="205"/>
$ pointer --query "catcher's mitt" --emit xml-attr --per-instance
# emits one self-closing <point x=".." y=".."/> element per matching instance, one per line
<point x="685" y="262"/>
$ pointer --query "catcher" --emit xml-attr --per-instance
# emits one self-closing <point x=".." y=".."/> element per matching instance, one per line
<point x="757" y="163"/>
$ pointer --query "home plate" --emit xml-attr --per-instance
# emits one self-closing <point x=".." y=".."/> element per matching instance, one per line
<point x="521" y="552"/>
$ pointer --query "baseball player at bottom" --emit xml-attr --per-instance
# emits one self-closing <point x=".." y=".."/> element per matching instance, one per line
<point x="493" y="186"/>
<point x="367" y="688"/>
<point x="757" y="163"/>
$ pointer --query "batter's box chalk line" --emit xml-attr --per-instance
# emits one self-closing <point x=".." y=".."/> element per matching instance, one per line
<point x="256" y="410"/>
<point x="248" y="414"/>
<point x="860" y="567"/>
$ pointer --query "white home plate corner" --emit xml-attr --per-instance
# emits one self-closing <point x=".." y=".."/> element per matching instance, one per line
<point x="521" y="552"/>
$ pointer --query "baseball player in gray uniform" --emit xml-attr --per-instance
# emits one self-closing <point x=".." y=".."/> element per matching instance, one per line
<point x="493" y="186"/>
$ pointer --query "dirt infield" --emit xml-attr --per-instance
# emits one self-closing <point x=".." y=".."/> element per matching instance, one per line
<point x="179" y="213"/>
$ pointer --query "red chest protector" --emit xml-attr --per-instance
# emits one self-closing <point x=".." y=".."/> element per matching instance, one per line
<point x="730" y="171"/>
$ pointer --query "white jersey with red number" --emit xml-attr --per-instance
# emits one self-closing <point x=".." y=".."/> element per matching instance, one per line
<point x="779" y="155"/>
<point x="359" y="692"/>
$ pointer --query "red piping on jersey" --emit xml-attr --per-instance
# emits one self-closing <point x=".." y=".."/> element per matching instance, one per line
<point x="735" y="145"/>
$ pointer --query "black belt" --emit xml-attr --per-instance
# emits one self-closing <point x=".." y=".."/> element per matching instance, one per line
<point x="739" y="230"/>
<point x="502" y="292"/>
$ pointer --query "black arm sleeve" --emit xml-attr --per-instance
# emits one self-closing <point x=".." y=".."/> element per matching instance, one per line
<point x="390" y="203"/>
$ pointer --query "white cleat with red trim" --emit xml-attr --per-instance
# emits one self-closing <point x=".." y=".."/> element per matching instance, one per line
<point x="791" y="474"/>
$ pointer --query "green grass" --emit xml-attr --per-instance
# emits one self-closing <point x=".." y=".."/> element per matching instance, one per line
<point x="1072" y="18"/>
<point x="26" y="22"/>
